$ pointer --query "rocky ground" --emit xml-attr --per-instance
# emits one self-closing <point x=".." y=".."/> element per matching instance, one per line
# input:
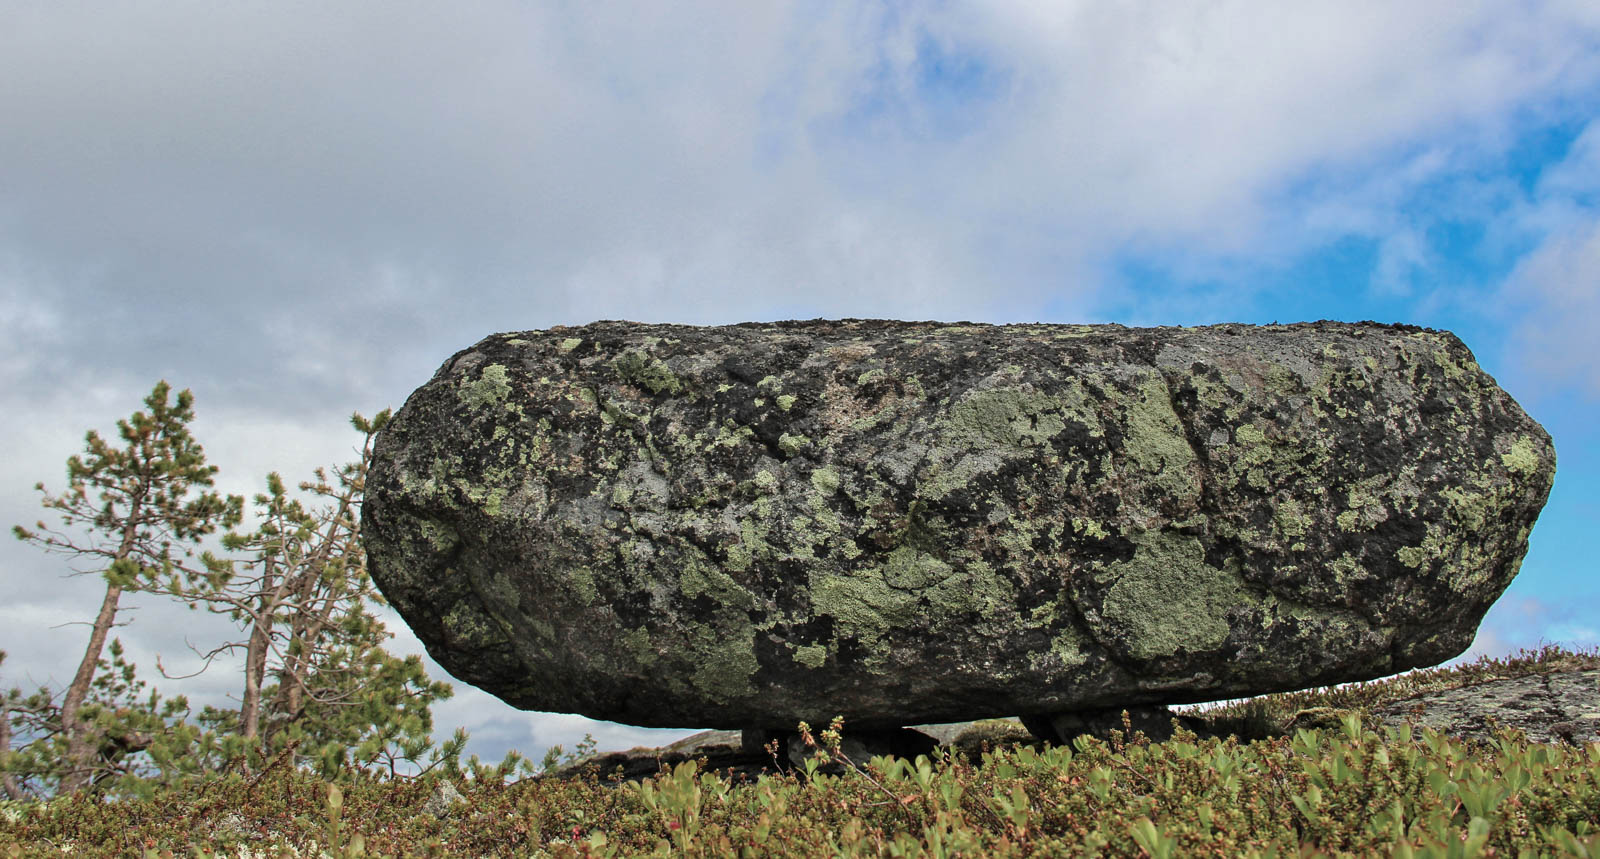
<point x="1553" y="702"/>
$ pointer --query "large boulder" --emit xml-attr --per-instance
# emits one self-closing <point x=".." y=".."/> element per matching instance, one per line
<point x="904" y="523"/>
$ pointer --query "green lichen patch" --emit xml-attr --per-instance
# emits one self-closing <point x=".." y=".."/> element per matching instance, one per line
<point x="1156" y="443"/>
<point x="637" y="366"/>
<point x="1005" y="418"/>
<point x="638" y="647"/>
<point x="724" y="661"/>
<point x="583" y="588"/>
<point x="793" y="444"/>
<point x="489" y="389"/>
<point x="811" y="655"/>
<point x="1167" y="598"/>
<point x="1521" y="457"/>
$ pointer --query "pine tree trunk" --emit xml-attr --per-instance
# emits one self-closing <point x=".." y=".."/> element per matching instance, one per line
<point x="255" y="666"/>
<point x="80" y="745"/>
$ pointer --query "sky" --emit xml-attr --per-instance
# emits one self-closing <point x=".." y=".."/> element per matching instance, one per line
<point x="298" y="210"/>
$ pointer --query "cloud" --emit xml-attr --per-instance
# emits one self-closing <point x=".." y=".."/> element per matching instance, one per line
<point x="1556" y="293"/>
<point x="296" y="192"/>
<point x="1519" y="622"/>
<point x="1554" y="290"/>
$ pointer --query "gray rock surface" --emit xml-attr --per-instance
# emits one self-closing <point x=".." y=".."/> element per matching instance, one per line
<point x="1548" y="708"/>
<point x="902" y="523"/>
<point x="731" y="752"/>
<point x="1557" y="708"/>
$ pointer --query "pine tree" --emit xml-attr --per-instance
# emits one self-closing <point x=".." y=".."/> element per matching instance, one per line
<point x="318" y="684"/>
<point x="131" y="514"/>
<point x="125" y="720"/>
<point x="316" y="675"/>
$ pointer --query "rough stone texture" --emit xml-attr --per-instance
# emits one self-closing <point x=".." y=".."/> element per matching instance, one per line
<point x="905" y="523"/>
<point x="1548" y="708"/>
<point x="730" y="751"/>
<point x="1556" y="708"/>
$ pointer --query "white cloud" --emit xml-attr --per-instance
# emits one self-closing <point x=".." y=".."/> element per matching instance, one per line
<point x="1556" y="293"/>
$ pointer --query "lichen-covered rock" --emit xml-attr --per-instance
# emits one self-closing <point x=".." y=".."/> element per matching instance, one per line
<point x="902" y="523"/>
<point x="1560" y="707"/>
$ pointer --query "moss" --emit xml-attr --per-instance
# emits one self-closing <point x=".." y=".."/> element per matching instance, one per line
<point x="825" y="479"/>
<point x="1168" y="598"/>
<point x="1005" y="417"/>
<point x="792" y="444"/>
<point x="1089" y="527"/>
<point x="640" y="368"/>
<point x="490" y="388"/>
<point x="811" y="655"/>
<point x="636" y="643"/>
<point x="724" y="662"/>
<point x="582" y="582"/>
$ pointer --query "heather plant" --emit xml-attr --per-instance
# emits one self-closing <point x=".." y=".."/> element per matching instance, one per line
<point x="1320" y="794"/>
<point x="1345" y="790"/>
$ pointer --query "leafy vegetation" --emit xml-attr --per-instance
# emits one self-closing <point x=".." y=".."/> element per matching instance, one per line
<point x="308" y="766"/>
<point x="1348" y="791"/>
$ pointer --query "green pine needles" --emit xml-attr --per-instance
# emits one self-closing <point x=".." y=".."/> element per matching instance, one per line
<point x="318" y="690"/>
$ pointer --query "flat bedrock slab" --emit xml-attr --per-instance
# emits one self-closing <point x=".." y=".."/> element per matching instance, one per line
<point x="903" y="523"/>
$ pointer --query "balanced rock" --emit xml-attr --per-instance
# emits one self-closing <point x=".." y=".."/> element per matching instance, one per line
<point x="904" y="523"/>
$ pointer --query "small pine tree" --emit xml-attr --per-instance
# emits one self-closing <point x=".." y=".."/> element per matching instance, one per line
<point x="126" y="720"/>
<point x="130" y="513"/>
<point x="316" y="675"/>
